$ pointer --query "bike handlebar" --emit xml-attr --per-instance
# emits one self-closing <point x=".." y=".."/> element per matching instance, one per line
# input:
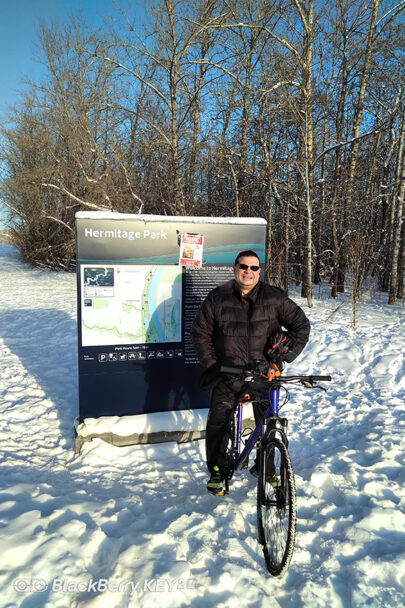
<point x="309" y="378"/>
<point x="239" y="371"/>
<point x="234" y="370"/>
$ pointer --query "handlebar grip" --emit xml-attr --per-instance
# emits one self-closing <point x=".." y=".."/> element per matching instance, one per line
<point x="231" y="370"/>
<point x="322" y="378"/>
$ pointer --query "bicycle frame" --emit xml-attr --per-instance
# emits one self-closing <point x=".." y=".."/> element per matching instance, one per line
<point x="271" y="411"/>
<point x="270" y="414"/>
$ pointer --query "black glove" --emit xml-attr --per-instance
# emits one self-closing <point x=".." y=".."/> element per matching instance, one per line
<point x="210" y="377"/>
<point x="278" y="345"/>
<point x="258" y="387"/>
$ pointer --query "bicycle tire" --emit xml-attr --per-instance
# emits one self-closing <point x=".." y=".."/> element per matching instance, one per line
<point x="276" y="507"/>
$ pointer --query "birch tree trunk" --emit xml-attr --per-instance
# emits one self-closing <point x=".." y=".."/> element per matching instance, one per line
<point x="360" y="103"/>
<point x="308" y="23"/>
<point x="398" y="203"/>
<point x="357" y="120"/>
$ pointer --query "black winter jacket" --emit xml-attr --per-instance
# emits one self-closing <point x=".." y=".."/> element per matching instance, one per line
<point x="233" y="330"/>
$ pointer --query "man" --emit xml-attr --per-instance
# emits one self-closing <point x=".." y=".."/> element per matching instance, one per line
<point x="232" y="328"/>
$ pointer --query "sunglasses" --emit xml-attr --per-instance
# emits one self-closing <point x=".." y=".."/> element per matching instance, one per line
<point x="246" y="267"/>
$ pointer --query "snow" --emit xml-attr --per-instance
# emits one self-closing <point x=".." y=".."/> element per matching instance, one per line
<point x="114" y="215"/>
<point x="133" y="526"/>
<point x="187" y="420"/>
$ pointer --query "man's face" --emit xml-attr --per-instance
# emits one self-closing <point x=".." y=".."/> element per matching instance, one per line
<point x="247" y="278"/>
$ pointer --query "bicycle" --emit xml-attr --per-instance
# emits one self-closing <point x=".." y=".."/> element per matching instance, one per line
<point x="276" y="499"/>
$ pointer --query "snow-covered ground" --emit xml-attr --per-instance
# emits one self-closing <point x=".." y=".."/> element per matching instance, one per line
<point x="134" y="526"/>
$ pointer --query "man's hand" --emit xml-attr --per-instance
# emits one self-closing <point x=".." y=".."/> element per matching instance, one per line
<point x="210" y="377"/>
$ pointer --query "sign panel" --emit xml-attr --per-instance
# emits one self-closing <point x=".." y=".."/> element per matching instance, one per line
<point x="191" y="250"/>
<point x="141" y="280"/>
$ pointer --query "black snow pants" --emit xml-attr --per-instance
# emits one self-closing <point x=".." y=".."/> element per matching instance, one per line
<point x="223" y="403"/>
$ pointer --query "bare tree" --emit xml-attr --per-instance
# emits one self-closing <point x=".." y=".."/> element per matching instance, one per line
<point x="287" y="111"/>
<point x="67" y="120"/>
<point x="398" y="205"/>
<point x="359" y="259"/>
<point x="169" y="77"/>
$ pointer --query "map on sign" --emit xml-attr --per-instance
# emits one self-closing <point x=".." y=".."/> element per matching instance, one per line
<point x="98" y="282"/>
<point x="131" y="304"/>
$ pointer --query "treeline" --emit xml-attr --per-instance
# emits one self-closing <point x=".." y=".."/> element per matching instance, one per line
<point x="292" y="111"/>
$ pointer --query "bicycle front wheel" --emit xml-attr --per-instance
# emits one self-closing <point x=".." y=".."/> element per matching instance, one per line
<point x="276" y="506"/>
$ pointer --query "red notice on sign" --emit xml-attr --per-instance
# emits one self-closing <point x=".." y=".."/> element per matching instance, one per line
<point x="191" y="250"/>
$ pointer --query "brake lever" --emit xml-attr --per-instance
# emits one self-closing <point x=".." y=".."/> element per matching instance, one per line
<point x="308" y="384"/>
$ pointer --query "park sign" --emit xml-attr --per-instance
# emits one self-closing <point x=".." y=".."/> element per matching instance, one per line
<point x="140" y="282"/>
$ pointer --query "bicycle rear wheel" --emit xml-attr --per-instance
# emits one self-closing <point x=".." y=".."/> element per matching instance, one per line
<point x="276" y="506"/>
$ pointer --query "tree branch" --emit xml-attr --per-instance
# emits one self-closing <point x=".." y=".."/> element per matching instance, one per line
<point x="55" y="219"/>
<point x="118" y="64"/>
<point x="75" y="198"/>
<point x="345" y="143"/>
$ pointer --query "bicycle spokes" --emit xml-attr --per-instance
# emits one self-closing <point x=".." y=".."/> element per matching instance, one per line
<point x="276" y="508"/>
